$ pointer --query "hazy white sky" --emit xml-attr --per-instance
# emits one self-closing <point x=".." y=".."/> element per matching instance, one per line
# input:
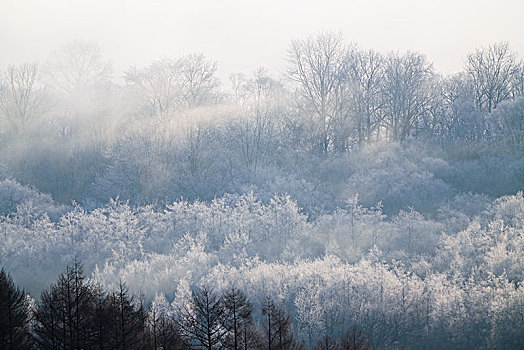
<point x="242" y="35"/>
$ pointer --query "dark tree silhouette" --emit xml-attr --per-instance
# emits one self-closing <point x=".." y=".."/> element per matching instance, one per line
<point x="202" y="322"/>
<point x="164" y="331"/>
<point x="13" y="315"/>
<point x="238" y="318"/>
<point x="354" y="340"/>
<point x="327" y="343"/>
<point x="277" y="327"/>
<point x="64" y="315"/>
<point x="73" y="314"/>
<point x="128" y="330"/>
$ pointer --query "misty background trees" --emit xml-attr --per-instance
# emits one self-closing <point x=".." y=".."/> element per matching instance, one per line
<point x="359" y="198"/>
<point x="172" y="130"/>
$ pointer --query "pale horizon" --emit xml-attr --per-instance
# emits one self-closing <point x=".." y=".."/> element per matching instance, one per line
<point x="241" y="36"/>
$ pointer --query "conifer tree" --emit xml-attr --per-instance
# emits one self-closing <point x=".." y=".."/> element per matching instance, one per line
<point x="202" y="322"/>
<point x="238" y="318"/>
<point x="13" y="315"/>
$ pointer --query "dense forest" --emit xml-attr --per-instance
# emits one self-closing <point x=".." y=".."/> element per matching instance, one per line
<point x="358" y="199"/>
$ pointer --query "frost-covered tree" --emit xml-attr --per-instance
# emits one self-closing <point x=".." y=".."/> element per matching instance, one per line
<point x="366" y="74"/>
<point x="23" y="99"/>
<point x="255" y="133"/>
<point x="507" y="125"/>
<point x="316" y="64"/>
<point x="491" y="69"/>
<point x="168" y="85"/>
<point x="406" y="93"/>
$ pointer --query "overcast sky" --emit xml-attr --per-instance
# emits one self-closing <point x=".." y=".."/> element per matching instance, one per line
<point x="242" y="35"/>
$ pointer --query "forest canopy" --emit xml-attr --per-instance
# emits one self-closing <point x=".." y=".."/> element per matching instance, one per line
<point x="358" y="191"/>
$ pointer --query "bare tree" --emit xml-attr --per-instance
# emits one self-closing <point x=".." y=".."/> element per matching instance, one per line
<point x="459" y="117"/>
<point x="157" y="85"/>
<point x="517" y="86"/>
<point x="406" y="93"/>
<point x="238" y="319"/>
<point x="129" y="325"/>
<point x="202" y="321"/>
<point x="507" y="124"/>
<point x="491" y="70"/>
<point x="197" y="83"/>
<point x="366" y="74"/>
<point x="354" y="340"/>
<point x="277" y="327"/>
<point x="326" y="343"/>
<point x="64" y="316"/>
<point x="163" y="329"/>
<point x="22" y="99"/>
<point x="255" y="132"/>
<point x="167" y="85"/>
<point x="317" y="65"/>
<point x="76" y="65"/>
<point x="14" y="318"/>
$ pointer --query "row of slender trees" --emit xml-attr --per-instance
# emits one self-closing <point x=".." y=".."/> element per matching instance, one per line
<point x="346" y="95"/>
<point x="76" y="313"/>
<point x="355" y="96"/>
